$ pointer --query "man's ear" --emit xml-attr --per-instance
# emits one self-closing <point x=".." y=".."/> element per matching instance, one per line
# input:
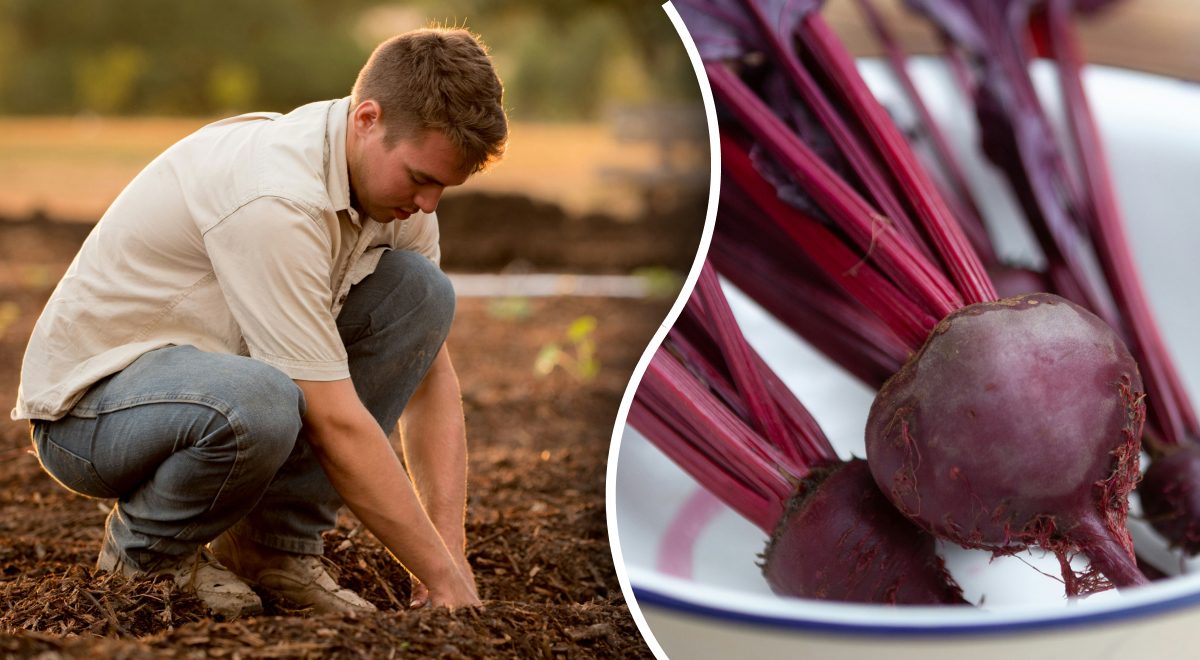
<point x="366" y="116"/>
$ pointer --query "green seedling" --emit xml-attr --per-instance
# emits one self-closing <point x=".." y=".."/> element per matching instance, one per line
<point x="660" y="282"/>
<point x="577" y="356"/>
<point x="511" y="308"/>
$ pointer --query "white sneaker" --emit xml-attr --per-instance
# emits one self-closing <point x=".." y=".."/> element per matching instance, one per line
<point x="299" y="580"/>
<point x="225" y="594"/>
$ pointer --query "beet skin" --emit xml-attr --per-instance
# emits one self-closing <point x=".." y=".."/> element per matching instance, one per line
<point x="1017" y="423"/>
<point x="840" y="539"/>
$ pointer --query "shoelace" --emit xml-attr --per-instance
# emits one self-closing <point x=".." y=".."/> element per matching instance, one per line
<point x="200" y="558"/>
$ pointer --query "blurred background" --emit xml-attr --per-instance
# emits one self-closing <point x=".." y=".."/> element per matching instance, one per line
<point x="607" y="122"/>
<point x="1155" y="36"/>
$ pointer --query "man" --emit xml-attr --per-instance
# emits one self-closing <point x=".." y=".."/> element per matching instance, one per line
<point x="255" y="310"/>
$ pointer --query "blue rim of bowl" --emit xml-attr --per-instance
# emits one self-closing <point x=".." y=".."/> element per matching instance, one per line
<point x="646" y="596"/>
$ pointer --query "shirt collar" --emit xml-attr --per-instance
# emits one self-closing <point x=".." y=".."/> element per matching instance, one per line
<point x="337" y="173"/>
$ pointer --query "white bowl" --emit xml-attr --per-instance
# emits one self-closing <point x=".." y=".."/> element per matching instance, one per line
<point x="689" y="564"/>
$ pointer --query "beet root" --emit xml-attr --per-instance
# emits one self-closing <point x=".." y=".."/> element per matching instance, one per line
<point x="1018" y="423"/>
<point x="1170" y="496"/>
<point x="840" y="539"/>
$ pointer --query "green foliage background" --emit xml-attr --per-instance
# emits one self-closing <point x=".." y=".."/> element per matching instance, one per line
<point x="560" y="59"/>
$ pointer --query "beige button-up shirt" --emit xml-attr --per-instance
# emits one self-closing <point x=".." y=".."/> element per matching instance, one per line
<point x="238" y="239"/>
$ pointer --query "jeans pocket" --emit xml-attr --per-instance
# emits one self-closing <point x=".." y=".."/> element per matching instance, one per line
<point x="74" y="472"/>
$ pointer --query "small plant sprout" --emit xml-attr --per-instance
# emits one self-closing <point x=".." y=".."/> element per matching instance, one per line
<point x="577" y="356"/>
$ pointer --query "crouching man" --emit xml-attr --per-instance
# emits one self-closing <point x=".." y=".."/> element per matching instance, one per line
<point x="259" y="306"/>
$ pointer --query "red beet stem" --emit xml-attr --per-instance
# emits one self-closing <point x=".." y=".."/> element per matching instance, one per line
<point x="1019" y="138"/>
<point x="960" y="70"/>
<point x="864" y="163"/>
<point x="959" y="197"/>
<point x="711" y="431"/>
<point x="896" y="309"/>
<point x="793" y="291"/>
<point x="943" y="230"/>
<point x="765" y="414"/>
<point x="759" y="506"/>
<point x="800" y="439"/>
<point x="810" y="446"/>
<point x="872" y="233"/>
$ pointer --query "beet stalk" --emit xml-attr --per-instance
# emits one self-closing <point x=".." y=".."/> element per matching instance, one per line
<point x="960" y="197"/>
<point x="1017" y="136"/>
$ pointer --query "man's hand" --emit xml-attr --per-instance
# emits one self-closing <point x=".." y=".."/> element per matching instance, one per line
<point x="420" y="593"/>
<point x="365" y="471"/>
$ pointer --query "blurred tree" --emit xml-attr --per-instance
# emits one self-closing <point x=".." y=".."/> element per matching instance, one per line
<point x="564" y="59"/>
<point x="232" y="85"/>
<point x="572" y="58"/>
<point x="176" y="57"/>
<point x="557" y="69"/>
<point x="106" y="84"/>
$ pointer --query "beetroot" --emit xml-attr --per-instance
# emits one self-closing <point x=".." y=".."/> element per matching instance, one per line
<point x="1170" y="496"/>
<point x="1017" y="423"/>
<point x="841" y="538"/>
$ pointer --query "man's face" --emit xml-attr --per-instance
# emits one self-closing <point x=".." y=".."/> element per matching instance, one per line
<point x="393" y="183"/>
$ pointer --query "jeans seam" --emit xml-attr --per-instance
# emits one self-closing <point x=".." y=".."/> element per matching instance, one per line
<point x="144" y="399"/>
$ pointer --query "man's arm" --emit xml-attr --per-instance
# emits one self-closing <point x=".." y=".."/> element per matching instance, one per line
<point x="433" y="435"/>
<point x="434" y="440"/>
<point x="366" y="472"/>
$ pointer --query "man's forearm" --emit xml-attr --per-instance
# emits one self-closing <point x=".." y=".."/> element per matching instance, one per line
<point x="435" y="448"/>
<point x="364" y="470"/>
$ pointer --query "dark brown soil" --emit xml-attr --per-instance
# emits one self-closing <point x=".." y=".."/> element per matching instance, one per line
<point x="491" y="232"/>
<point x="536" y="525"/>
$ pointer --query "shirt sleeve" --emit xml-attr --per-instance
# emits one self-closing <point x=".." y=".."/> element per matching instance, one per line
<point x="273" y="263"/>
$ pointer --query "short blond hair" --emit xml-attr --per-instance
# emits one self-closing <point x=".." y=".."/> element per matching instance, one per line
<point x="443" y="79"/>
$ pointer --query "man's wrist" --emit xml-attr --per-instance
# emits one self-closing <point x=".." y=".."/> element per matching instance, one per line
<point x="454" y="536"/>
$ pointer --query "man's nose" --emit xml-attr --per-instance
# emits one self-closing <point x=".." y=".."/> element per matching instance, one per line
<point x="427" y="198"/>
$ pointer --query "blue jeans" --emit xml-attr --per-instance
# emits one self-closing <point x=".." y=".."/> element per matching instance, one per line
<point x="193" y="443"/>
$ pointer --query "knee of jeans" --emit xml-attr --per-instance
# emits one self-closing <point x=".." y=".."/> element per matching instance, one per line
<point x="433" y="293"/>
<point x="269" y="409"/>
<point x="439" y="300"/>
